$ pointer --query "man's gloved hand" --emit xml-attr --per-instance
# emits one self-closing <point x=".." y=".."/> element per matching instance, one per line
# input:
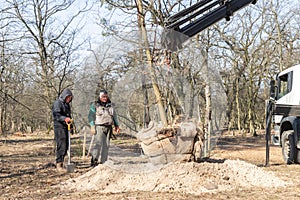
<point x="68" y="120"/>
<point x="117" y="129"/>
<point x="93" y="130"/>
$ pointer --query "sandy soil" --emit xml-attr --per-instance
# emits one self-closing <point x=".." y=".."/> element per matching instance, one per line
<point x="234" y="170"/>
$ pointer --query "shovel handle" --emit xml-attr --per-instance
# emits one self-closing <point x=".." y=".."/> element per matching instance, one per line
<point x="69" y="124"/>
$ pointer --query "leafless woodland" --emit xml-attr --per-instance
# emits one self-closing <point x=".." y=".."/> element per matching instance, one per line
<point x="220" y="77"/>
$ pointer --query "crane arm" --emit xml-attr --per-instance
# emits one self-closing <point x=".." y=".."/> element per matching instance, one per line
<point x="203" y="14"/>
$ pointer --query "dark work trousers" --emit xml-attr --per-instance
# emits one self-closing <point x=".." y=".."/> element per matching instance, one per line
<point x="61" y="139"/>
<point x="101" y="143"/>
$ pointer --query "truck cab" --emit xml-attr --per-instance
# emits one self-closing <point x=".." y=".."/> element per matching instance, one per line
<point x="285" y="112"/>
<point x="288" y="92"/>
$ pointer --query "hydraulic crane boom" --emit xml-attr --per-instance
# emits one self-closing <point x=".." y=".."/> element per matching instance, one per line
<point x="202" y="15"/>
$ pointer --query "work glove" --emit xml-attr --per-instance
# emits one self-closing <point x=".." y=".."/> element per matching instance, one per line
<point x="93" y="130"/>
<point x="117" y="129"/>
<point x="68" y="120"/>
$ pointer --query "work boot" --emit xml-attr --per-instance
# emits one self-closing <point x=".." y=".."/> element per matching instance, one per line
<point x="94" y="162"/>
<point x="59" y="167"/>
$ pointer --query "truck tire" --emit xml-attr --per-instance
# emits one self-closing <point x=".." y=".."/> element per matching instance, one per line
<point x="289" y="150"/>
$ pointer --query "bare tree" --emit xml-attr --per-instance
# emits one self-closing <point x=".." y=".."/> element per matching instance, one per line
<point x="46" y="37"/>
<point x="252" y="53"/>
<point x="147" y="45"/>
<point x="11" y="76"/>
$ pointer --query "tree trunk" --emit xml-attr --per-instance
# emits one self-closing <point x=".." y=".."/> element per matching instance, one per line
<point x="237" y="100"/>
<point x="145" y="43"/>
<point x="208" y="103"/>
<point x="146" y="117"/>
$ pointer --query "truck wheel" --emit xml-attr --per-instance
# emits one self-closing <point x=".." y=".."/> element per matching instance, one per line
<point x="289" y="150"/>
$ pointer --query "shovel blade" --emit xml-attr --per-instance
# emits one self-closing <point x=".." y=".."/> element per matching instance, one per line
<point x="70" y="168"/>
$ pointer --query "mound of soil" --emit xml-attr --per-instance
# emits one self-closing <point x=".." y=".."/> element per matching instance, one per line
<point x="192" y="178"/>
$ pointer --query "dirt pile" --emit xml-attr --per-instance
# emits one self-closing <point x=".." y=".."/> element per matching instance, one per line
<point x="192" y="178"/>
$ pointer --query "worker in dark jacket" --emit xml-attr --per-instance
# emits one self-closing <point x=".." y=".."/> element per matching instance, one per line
<point x="61" y="112"/>
<point x="102" y="117"/>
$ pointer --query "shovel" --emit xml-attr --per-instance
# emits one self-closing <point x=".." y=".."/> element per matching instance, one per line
<point x="70" y="166"/>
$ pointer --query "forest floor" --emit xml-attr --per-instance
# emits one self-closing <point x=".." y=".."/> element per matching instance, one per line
<point x="234" y="170"/>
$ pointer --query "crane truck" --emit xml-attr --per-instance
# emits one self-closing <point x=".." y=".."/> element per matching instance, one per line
<point x="283" y="115"/>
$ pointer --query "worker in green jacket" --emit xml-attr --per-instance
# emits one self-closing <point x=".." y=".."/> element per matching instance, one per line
<point x="102" y="117"/>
